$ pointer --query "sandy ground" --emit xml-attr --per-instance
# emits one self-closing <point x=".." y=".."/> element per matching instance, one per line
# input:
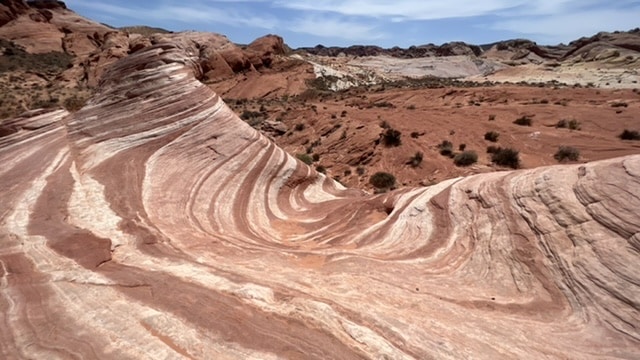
<point x="342" y="128"/>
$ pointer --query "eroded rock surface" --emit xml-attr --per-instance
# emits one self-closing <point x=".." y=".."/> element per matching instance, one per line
<point x="154" y="223"/>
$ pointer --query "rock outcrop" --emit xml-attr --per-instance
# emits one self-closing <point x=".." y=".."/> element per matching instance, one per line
<point x="607" y="47"/>
<point x="262" y="51"/>
<point x="455" y="48"/>
<point x="153" y="223"/>
<point x="11" y="9"/>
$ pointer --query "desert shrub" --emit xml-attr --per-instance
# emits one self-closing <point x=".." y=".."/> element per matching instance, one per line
<point x="16" y="58"/>
<point x="321" y="169"/>
<point x="44" y="103"/>
<point x="492" y="149"/>
<point x="491" y="136"/>
<point x="299" y="127"/>
<point x="391" y="137"/>
<point x="445" y="144"/>
<point x="466" y="158"/>
<point x="446" y="148"/>
<point x="253" y="118"/>
<point x="619" y="104"/>
<point x="523" y="121"/>
<point x="492" y="117"/>
<point x="247" y="115"/>
<point x="411" y="107"/>
<point x="305" y="158"/>
<point x="416" y="159"/>
<point x="565" y="153"/>
<point x="347" y="172"/>
<point x="629" y="135"/>
<point x="506" y="157"/>
<point x="384" y="104"/>
<point x="382" y="180"/>
<point x="461" y="147"/>
<point x="343" y="113"/>
<point x="572" y="124"/>
<point x="361" y="170"/>
<point x="315" y="157"/>
<point x="415" y="134"/>
<point x="74" y="103"/>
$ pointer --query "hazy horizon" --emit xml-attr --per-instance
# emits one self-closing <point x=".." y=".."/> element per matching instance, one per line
<point x="305" y="23"/>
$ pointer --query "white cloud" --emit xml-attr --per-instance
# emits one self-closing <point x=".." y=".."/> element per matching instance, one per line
<point x="419" y="9"/>
<point x="185" y="14"/>
<point x="571" y="26"/>
<point x="331" y="27"/>
<point x="102" y="7"/>
<point x="374" y="21"/>
<point x="439" y="9"/>
<point x="211" y="15"/>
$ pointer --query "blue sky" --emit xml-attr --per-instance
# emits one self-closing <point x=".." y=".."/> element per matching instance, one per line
<point x="385" y="23"/>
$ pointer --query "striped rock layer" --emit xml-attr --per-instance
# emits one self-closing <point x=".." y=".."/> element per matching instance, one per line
<point x="155" y="224"/>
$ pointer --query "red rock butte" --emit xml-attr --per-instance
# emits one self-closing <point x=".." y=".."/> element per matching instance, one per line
<point x="155" y="224"/>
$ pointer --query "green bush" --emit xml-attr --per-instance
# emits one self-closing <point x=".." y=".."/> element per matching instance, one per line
<point x="565" y="153"/>
<point x="523" y="121"/>
<point x="491" y="136"/>
<point x="382" y="180"/>
<point x="506" y="157"/>
<point x="629" y="135"/>
<point x="466" y="158"/>
<point x="305" y="158"/>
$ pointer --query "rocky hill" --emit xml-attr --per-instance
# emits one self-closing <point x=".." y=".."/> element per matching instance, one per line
<point x="75" y="51"/>
<point x="598" y="47"/>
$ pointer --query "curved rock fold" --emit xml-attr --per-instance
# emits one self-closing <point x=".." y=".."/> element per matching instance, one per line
<point x="154" y="223"/>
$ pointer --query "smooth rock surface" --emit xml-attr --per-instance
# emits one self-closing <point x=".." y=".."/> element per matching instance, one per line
<point x="154" y="223"/>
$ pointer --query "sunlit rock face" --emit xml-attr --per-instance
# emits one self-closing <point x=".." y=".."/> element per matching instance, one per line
<point x="155" y="224"/>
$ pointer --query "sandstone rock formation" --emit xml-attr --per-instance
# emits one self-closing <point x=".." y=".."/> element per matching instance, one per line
<point x="154" y="223"/>
<point x="48" y="33"/>
<point x="11" y="9"/>
<point x="262" y="51"/>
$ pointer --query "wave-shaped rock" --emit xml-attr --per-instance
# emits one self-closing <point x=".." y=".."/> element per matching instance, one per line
<point x="154" y="223"/>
